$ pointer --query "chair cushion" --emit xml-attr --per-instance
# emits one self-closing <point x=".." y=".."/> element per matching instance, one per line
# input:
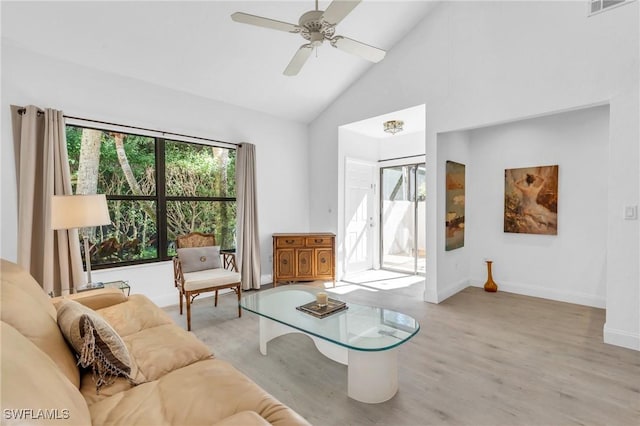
<point x="97" y="344"/>
<point x="199" y="258"/>
<point x="209" y="278"/>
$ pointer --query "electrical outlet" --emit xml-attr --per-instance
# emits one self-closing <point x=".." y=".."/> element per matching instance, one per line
<point x="631" y="212"/>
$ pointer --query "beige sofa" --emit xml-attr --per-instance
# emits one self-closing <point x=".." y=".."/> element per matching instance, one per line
<point x="180" y="382"/>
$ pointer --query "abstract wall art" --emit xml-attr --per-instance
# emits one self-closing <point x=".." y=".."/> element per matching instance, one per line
<point x="454" y="238"/>
<point x="531" y="200"/>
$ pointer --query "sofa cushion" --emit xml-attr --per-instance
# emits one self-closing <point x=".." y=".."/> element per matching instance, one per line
<point x="96" y="343"/>
<point x="94" y="299"/>
<point x="243" y="418"/>
<point x="209" y="278"/>
<point x="205" y="392"/>
<point x="33" y="386"/>
<point x="199" y="258"/>
<point x="165" y="348"/>
<point x="26" y="307"/>
<point x="136" y="314"/>
<point x="156" y="345"/>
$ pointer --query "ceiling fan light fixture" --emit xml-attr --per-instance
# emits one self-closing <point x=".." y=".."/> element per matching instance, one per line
<point x="393" y="126"/>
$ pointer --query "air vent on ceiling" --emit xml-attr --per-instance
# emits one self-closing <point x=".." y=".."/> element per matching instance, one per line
<point x="597" y="6"/>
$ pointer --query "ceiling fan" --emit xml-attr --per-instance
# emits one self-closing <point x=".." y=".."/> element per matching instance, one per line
<point x="316" y="26"/>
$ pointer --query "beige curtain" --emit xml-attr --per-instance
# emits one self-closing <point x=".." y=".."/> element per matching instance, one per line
<point x="42" y="169"/>
<point x="248" y="237"/>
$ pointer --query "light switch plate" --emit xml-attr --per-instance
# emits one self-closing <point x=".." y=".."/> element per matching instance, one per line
<point x="631" y="212"/>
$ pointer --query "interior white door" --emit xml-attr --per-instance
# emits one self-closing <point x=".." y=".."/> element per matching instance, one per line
<point x="360" y="218"/>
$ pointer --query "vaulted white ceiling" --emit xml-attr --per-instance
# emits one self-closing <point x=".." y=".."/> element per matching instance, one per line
<point x="195" y="47"/>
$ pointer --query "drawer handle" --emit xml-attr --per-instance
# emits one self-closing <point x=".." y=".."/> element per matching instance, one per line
<point x="285" y="261"/>
<point x="289" y="241"/>
<point x="323" y="260"/>
<point x="319" y="240"/>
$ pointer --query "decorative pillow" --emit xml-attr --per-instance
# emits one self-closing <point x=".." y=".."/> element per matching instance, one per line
<point x="96" y="343"/>
<point x="199" y="258"/>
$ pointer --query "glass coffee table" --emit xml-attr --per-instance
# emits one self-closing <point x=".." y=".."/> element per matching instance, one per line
<point x="364" y="338"/>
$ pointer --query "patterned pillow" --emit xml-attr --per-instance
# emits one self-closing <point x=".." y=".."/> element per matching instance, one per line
<point x="199" y="258"/>
<point x="96" y="343"/>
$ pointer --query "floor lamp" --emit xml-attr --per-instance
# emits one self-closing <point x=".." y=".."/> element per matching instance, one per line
<point x="80" y="211"/>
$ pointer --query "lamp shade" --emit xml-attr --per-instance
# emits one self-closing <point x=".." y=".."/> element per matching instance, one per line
<point x="79" y="211"/>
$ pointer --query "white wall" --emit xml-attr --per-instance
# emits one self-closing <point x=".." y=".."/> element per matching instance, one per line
<point x="281" y="146"/>
<point x="482" y="63"/>
<point x="401" y="145"/>
<point x="570" y="266"/>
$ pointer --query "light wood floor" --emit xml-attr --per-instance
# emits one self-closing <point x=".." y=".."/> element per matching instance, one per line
<point x="479" y="359"/>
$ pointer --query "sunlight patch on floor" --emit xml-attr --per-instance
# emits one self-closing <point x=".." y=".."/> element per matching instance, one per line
<point x="395" y="283"/>
<point x="372" y="275"/>
<point x="382" y="280"/>
<point x="344" y="288"/>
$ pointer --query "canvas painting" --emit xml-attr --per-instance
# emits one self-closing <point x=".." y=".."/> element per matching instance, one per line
<point x="531" y="200"/>
<point x="455" y="206"/>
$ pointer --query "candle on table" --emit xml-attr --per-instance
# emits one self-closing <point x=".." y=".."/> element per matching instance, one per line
<point x="322" y="298"/>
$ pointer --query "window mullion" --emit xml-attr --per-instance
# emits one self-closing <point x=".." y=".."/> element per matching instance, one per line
<point x="161" y="186"/>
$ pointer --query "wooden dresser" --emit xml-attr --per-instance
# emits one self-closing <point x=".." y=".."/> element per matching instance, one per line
<point x="304" y="257"/>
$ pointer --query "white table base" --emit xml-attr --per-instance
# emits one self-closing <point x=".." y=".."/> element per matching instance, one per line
<point x="372" y="375"/>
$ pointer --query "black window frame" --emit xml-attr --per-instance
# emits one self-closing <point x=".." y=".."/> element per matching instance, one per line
<point x="160" y="198"/>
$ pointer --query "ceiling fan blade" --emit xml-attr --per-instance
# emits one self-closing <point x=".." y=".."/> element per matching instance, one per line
<point x="298" y="60"/>
<point x="357" y="48"/>
<point x="338" y="10"/>
<point x="245" y="18"/>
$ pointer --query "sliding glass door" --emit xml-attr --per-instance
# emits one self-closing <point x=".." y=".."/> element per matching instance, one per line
<point x="402" y="210"/>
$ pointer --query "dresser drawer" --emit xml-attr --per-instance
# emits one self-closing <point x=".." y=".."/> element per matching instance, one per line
<point x="319" y="241"/>
<point x="290" y="242"/>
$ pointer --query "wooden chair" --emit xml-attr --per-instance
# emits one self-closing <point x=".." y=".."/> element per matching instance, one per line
<point x="192" y="284"/>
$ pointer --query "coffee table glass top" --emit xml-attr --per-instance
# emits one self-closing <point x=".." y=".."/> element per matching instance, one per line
<point x="363" y="328"/>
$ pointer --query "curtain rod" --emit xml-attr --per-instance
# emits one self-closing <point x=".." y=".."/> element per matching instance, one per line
<point x="21" y="111"/>
<point x="151" y="130"/>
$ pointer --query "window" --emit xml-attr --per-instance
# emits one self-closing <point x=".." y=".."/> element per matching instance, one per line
<point x="156" y="190"/>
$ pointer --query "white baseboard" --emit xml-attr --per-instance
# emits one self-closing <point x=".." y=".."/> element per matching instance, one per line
<point x="430" y="294"/>
<point x="450" y="289"/>
<point x="622" y="338"/>
<point x="266" y="279"/>
<point x="518" y="288"/>
<point x="548" y="293"/>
